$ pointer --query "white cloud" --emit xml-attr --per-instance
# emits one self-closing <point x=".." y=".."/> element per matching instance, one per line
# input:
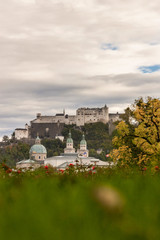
<point x="49" y="47"/>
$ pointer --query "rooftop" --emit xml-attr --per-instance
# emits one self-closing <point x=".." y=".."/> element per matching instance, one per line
<point x="24" y="129"/>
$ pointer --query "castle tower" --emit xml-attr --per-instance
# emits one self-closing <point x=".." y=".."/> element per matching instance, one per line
<point x="69" y="145"/>
<point x="83" y="151"/>
<point x="105" y="114"/>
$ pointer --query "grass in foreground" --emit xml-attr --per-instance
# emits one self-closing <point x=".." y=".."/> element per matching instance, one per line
<point x="49" y="205"/>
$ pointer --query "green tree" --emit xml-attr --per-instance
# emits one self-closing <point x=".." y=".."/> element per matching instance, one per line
<point x="5" y="139"/>
<point x="14" y="153"/>
<point x="54" y="146"/>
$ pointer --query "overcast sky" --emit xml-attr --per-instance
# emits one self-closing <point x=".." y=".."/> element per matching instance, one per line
<point x="57" y="54"/>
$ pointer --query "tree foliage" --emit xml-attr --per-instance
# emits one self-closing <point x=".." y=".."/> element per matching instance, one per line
<point x="13" y="153"/>
<point x="54" y="146"/>
<point x="139" y="134"/>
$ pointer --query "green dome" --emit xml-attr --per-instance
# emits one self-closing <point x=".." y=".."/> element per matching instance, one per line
<point x="69" y="139"/>
<point x="37" y="148"/>
<point x="83" y="141"/>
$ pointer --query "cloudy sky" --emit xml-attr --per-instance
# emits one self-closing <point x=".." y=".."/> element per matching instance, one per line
<point x="57" y="54"/>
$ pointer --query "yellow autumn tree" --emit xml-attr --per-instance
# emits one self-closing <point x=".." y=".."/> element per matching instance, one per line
<point x="140" y="133"/>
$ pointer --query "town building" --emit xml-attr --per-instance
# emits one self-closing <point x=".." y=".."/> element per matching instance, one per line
<point x="22" y="132"/>
<point x="38" y="156"/>
<point x="27" y="164"/>
<point x="60" y="138"/>
<point x="70" y="156"/>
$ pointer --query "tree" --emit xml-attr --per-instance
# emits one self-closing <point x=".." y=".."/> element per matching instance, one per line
<point x="5" y="139"/>
<point x="14" y="153"/>
<point x="54" y="146"/>
<point x="140" y="134"/>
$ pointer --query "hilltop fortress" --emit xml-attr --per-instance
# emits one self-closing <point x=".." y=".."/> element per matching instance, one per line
<point x="52" y="126"/>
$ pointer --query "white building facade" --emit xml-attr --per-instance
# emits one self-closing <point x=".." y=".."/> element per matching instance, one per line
<point x="22" y="132"/>
<point x="92" y="115"/>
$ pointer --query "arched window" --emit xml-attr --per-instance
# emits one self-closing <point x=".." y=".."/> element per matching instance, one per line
<point x="47" y="132"/>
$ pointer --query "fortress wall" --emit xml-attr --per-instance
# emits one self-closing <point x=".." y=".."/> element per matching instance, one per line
<point x="46" y="129"/>
<point x="50" y="126"/>
<point x="71" y="120"/>
<point x="114" y="117"/>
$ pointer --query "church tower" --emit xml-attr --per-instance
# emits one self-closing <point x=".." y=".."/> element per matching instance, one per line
<point x="69" y="145"/>
<point x="83" y="151"/>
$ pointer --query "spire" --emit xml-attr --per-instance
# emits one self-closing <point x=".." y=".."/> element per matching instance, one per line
<point x="69" y="139"/>
<point x="83" y="137"/>
<point x="69" y="144"/>
<point x="38" y="140"/>
<point x="83" y="141"/>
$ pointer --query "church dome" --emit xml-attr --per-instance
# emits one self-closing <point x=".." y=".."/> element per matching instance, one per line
<point x="83" y="141"/>
<point x="37" y="148"/>
<point x="69" y="139"/>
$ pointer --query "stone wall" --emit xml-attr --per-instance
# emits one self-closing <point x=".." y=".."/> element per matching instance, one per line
<point x="49" y="130"/>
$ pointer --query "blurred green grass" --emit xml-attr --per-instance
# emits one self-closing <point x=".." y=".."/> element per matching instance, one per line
<point x="62" y="206"/>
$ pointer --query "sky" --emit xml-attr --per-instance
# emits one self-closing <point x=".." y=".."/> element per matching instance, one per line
<point x="65" y="54"/>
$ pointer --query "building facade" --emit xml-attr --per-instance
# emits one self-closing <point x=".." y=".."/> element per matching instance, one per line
<point x="91" y="115"/>
<point x="22" y="132"/>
